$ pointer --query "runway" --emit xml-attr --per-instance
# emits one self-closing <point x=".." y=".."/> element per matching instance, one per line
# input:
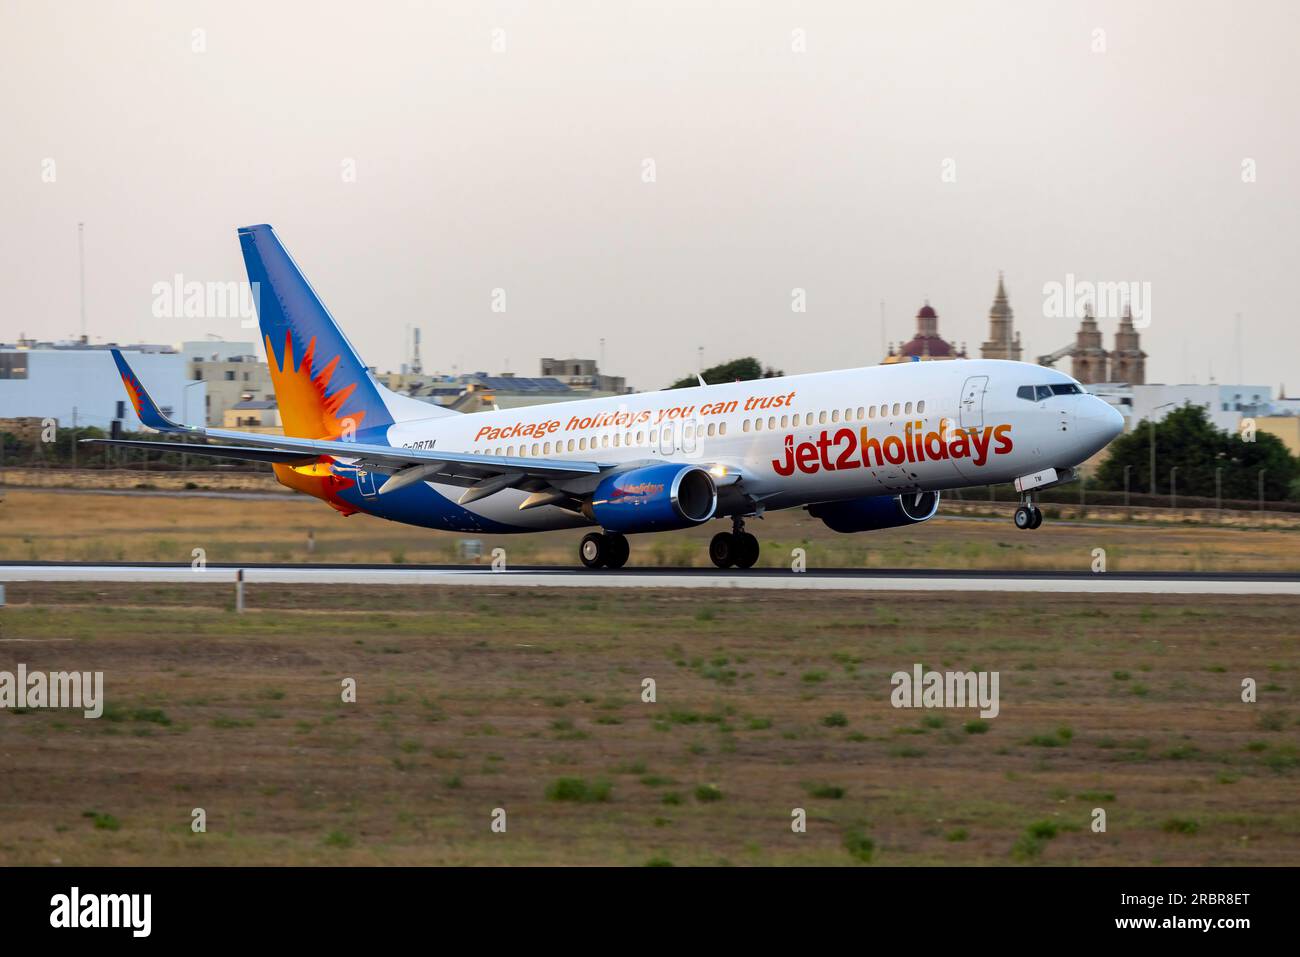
<point x="829" y="579"/>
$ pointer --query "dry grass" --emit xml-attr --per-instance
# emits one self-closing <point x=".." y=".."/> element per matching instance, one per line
<point x="475" y="700"/>
<point x="70" y="526"/>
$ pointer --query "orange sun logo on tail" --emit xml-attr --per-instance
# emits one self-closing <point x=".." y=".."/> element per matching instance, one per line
<point x="308" y="411"/>
<point x="306" y="408"/>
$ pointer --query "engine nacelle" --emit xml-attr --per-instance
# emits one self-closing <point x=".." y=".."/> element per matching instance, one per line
<point x="655" y="498"/>
<point x="877" y="511"/>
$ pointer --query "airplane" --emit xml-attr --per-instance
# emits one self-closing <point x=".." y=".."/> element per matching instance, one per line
<point x="860" y="449"/>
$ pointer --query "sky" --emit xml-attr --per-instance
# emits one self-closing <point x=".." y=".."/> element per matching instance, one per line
<point x="737" y="178"/>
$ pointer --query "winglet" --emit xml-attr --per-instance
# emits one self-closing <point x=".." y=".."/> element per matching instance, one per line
<point x="145" y="407"/>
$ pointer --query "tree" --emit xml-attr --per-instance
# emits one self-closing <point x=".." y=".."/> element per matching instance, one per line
<point x="736" y="370"/>
<point x="1186" y="438"/>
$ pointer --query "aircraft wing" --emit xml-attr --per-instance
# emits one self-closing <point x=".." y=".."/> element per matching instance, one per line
<point x="482" y="475"/>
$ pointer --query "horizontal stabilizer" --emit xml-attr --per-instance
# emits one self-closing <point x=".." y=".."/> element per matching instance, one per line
<point x="243" y="454"/>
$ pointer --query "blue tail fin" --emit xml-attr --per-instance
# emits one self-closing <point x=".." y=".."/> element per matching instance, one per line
<point x="323" y="388"/>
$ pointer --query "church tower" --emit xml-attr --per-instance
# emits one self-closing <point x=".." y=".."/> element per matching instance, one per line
<point x="1003" y="342"/>
<point x="1089" y="359"/>
<point x="1128" y="361"/>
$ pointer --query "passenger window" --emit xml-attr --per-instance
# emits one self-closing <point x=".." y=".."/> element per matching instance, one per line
<point x="745" y="426"/>
<point x="898" y="408"/>
<point x="835" y="415"/>
<point x="862" y="413"/>
<point x="785" y="420"/>
<point x="758" y="425"/>
<point x="821" y="418"/>
<point x="871" y="412"/>
<point x="582" y="444"/>
<point x="920" y="407"/>
<point x="510" y="450"/>
<point x="771" y="422"/>
<point x="722" y="428"/>
<point x="908" y="409"/>
<point x="617" y="439"/>
<point x="640" y="438"/>
<point x="604" y="441"/>
<point x="535" y="452"/>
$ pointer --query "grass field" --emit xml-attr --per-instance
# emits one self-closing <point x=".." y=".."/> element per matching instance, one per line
<point x="72" y="526"/>
<point x="530" y="701"/>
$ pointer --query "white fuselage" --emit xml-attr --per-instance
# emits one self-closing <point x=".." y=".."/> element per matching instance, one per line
<point x="798" y="440"/>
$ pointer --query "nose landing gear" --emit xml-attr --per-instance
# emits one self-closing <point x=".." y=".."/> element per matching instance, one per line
<point x="736" y="547"/>
<point x="1028" y="516"/>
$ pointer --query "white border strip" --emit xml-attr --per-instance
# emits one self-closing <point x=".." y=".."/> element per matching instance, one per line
<point x="808" y="581"/>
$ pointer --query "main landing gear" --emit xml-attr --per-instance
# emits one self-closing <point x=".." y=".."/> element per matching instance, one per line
<point x="604" y="550"/>
<point x="736" y="547"/>
<point x="1028" y="517"/>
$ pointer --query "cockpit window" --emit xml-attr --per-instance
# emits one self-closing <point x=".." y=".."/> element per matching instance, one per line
<point x="1037" y="393"/>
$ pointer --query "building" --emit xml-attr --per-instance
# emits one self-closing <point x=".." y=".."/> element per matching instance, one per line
<point x="254" y="415"/>
<point x="77" y="383"/>
<point x="1285" y="427"/>
<point x="478" y="391"/>
<point x="1003" y="341"/>
<point x="1225" y="405"/>
<point x="584" y="376"/>
<point x="926" y="344"/>
<point x="1088" y="360"/>
<point x="1128" y="363"/>
<point x="233" y="372"/>
<point x="1091" y="364"/>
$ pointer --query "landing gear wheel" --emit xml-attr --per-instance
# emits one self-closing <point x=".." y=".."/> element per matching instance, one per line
<point x="746" y="549"/>
<point x="616" y="550"/>
<point x="594" y="551"/>
<point x="1024" y="518"/>
<point x="1038" y="518"/>
<point x="722" y="550"/>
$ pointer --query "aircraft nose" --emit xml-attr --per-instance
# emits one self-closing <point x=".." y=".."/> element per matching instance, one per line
<point x="1098" y="422"/>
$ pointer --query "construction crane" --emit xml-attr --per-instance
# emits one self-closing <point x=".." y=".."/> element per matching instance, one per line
<point x="1053" y="357"/>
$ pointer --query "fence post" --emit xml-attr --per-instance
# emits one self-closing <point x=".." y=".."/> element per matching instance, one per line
<point x="239" y="592"/>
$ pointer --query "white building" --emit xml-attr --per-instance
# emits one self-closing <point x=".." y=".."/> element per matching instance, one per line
<point x="234" y="373"/>
<point x="75" y="381"/>
<point x="1225" y="405"/>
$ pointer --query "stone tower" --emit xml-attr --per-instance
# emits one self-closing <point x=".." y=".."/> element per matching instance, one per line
<point x="1128" y="363"/>
<point x="1003" y="342"/>
<point x="1089" y="361"/>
